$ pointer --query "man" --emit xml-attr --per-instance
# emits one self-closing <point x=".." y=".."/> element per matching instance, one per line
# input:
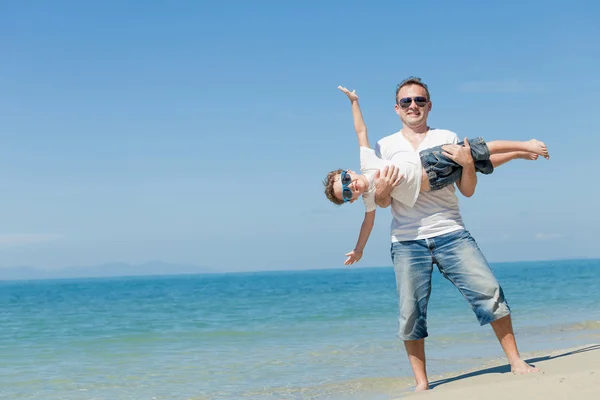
<point x="432" y="231"/>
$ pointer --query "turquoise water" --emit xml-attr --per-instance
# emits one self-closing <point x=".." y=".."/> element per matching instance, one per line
<point x="266" y="335"/>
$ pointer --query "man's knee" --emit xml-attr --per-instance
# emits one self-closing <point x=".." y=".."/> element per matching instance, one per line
<point x="413" y="327"/>
<point x="413" y="270"/>
<point x="490" y="305"/>
<point x="467" y="268"/>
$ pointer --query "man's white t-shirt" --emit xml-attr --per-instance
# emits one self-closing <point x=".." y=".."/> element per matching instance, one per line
<point x="408" y="164"/>
<point x="435" y="212"/>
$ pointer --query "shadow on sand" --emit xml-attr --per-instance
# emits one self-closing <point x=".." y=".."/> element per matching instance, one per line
<point x="502" y="369"/>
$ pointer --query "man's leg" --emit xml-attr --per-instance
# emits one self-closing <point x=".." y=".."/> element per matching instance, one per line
<point x="416" y="356"/>
<point x="460" y="260"/>
<point x="504" y="332"/>
<point x="413" y="266"/>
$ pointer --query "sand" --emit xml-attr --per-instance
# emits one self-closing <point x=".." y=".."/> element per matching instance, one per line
<point x="572" y="374"/>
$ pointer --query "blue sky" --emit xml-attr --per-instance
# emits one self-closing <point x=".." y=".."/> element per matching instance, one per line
<point x="199" y="133"/>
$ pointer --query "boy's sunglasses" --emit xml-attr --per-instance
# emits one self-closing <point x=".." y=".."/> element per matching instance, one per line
<point x="346" y="191"/>
<point x="406" y="101"/>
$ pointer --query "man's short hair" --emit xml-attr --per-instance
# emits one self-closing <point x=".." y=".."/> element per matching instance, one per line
<point x="328" y="183"/>
<point x="412" y="80"/>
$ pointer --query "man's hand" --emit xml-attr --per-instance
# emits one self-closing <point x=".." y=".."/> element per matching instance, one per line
<point x="387" y="180"/>
<point x="351" y="94"/>
<point x="459" y="154"/>
<point x="353" y="256"/>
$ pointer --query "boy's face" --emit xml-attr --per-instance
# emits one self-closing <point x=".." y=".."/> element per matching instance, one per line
<point x="358" y="185"/>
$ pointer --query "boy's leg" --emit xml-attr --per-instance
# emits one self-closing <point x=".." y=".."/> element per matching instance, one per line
<point x="479" y="149"/>
<point x="506" y="146"/>
<point x="502" y="158"/>
<point x="480" y="154"/>
<point x="438" y="170"/>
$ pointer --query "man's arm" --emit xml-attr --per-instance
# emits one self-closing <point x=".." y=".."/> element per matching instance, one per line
<point x="365" y="230"/>
<point x="462" y="156"/>
<point x="359" y="122"/>
<point x="467" y="182"/>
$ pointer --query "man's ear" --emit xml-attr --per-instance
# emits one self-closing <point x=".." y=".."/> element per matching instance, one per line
<point x="430" y="105"/>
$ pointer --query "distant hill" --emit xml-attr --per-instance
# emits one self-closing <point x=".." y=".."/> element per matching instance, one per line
<point x="103" y="270"/>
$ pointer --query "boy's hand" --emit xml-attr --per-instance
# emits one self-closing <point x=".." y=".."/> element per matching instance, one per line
<point x="351" y="94"/>
<point x="353" y="256"/>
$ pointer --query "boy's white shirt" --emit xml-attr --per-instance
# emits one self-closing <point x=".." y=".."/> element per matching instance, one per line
<point x="409" y="165"/>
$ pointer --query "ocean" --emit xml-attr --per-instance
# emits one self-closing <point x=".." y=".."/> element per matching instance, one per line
<point x="318" y="334"/>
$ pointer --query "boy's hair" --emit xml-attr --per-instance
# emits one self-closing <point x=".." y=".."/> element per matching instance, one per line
<point x="412" y="80"/>
<point x="328" y="183"/>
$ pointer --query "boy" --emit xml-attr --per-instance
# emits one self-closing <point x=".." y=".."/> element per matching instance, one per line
<point x="431" y="169"/>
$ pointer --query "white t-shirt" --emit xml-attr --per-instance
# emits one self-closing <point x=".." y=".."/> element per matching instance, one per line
<point x="409" y="164"/>
<point x="435" y="212"/>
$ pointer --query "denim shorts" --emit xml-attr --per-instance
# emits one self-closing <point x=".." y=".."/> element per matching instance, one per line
<point x="459" y="259"/>
<point x="442" y="171"/>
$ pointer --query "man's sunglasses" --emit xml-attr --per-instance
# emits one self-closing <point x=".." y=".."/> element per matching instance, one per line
<point x="406" y="101"/>
<point x="346" y="191"/>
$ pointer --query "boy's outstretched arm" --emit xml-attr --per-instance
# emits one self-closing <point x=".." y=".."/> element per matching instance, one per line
<point x="365" y="230"/>
<point x="359" y="122"/>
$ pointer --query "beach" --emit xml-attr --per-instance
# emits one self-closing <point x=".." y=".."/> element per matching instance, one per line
<point x="565" y="374"/>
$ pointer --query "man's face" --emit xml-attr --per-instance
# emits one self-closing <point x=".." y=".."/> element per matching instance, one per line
<point x="358" y="185"/>
<point x="413" y="115"/>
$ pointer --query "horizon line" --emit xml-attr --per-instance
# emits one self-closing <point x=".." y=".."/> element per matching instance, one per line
<point x="213" y="272"/>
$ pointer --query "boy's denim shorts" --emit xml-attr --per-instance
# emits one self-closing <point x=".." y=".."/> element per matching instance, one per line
<point x="461" y="262"/>
<point x="442" y="171"/>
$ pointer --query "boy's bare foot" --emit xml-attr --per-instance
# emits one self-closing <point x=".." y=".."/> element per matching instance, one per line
<point x="521" y="367"/>
<point x="525" y="155"/>
<point x="537" y="147"/>
<point x="421" y="387"/>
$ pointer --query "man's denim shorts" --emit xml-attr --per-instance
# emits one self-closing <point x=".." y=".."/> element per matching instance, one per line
<point x="442" y="171"/>
<point x="461" y="262"/>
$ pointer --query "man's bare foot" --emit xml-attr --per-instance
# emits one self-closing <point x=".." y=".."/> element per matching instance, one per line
<point x="525" y="155"/>
<point x="421" y="387"/>
<point x="521" y="367"/>
<point x="537" y="147"/>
